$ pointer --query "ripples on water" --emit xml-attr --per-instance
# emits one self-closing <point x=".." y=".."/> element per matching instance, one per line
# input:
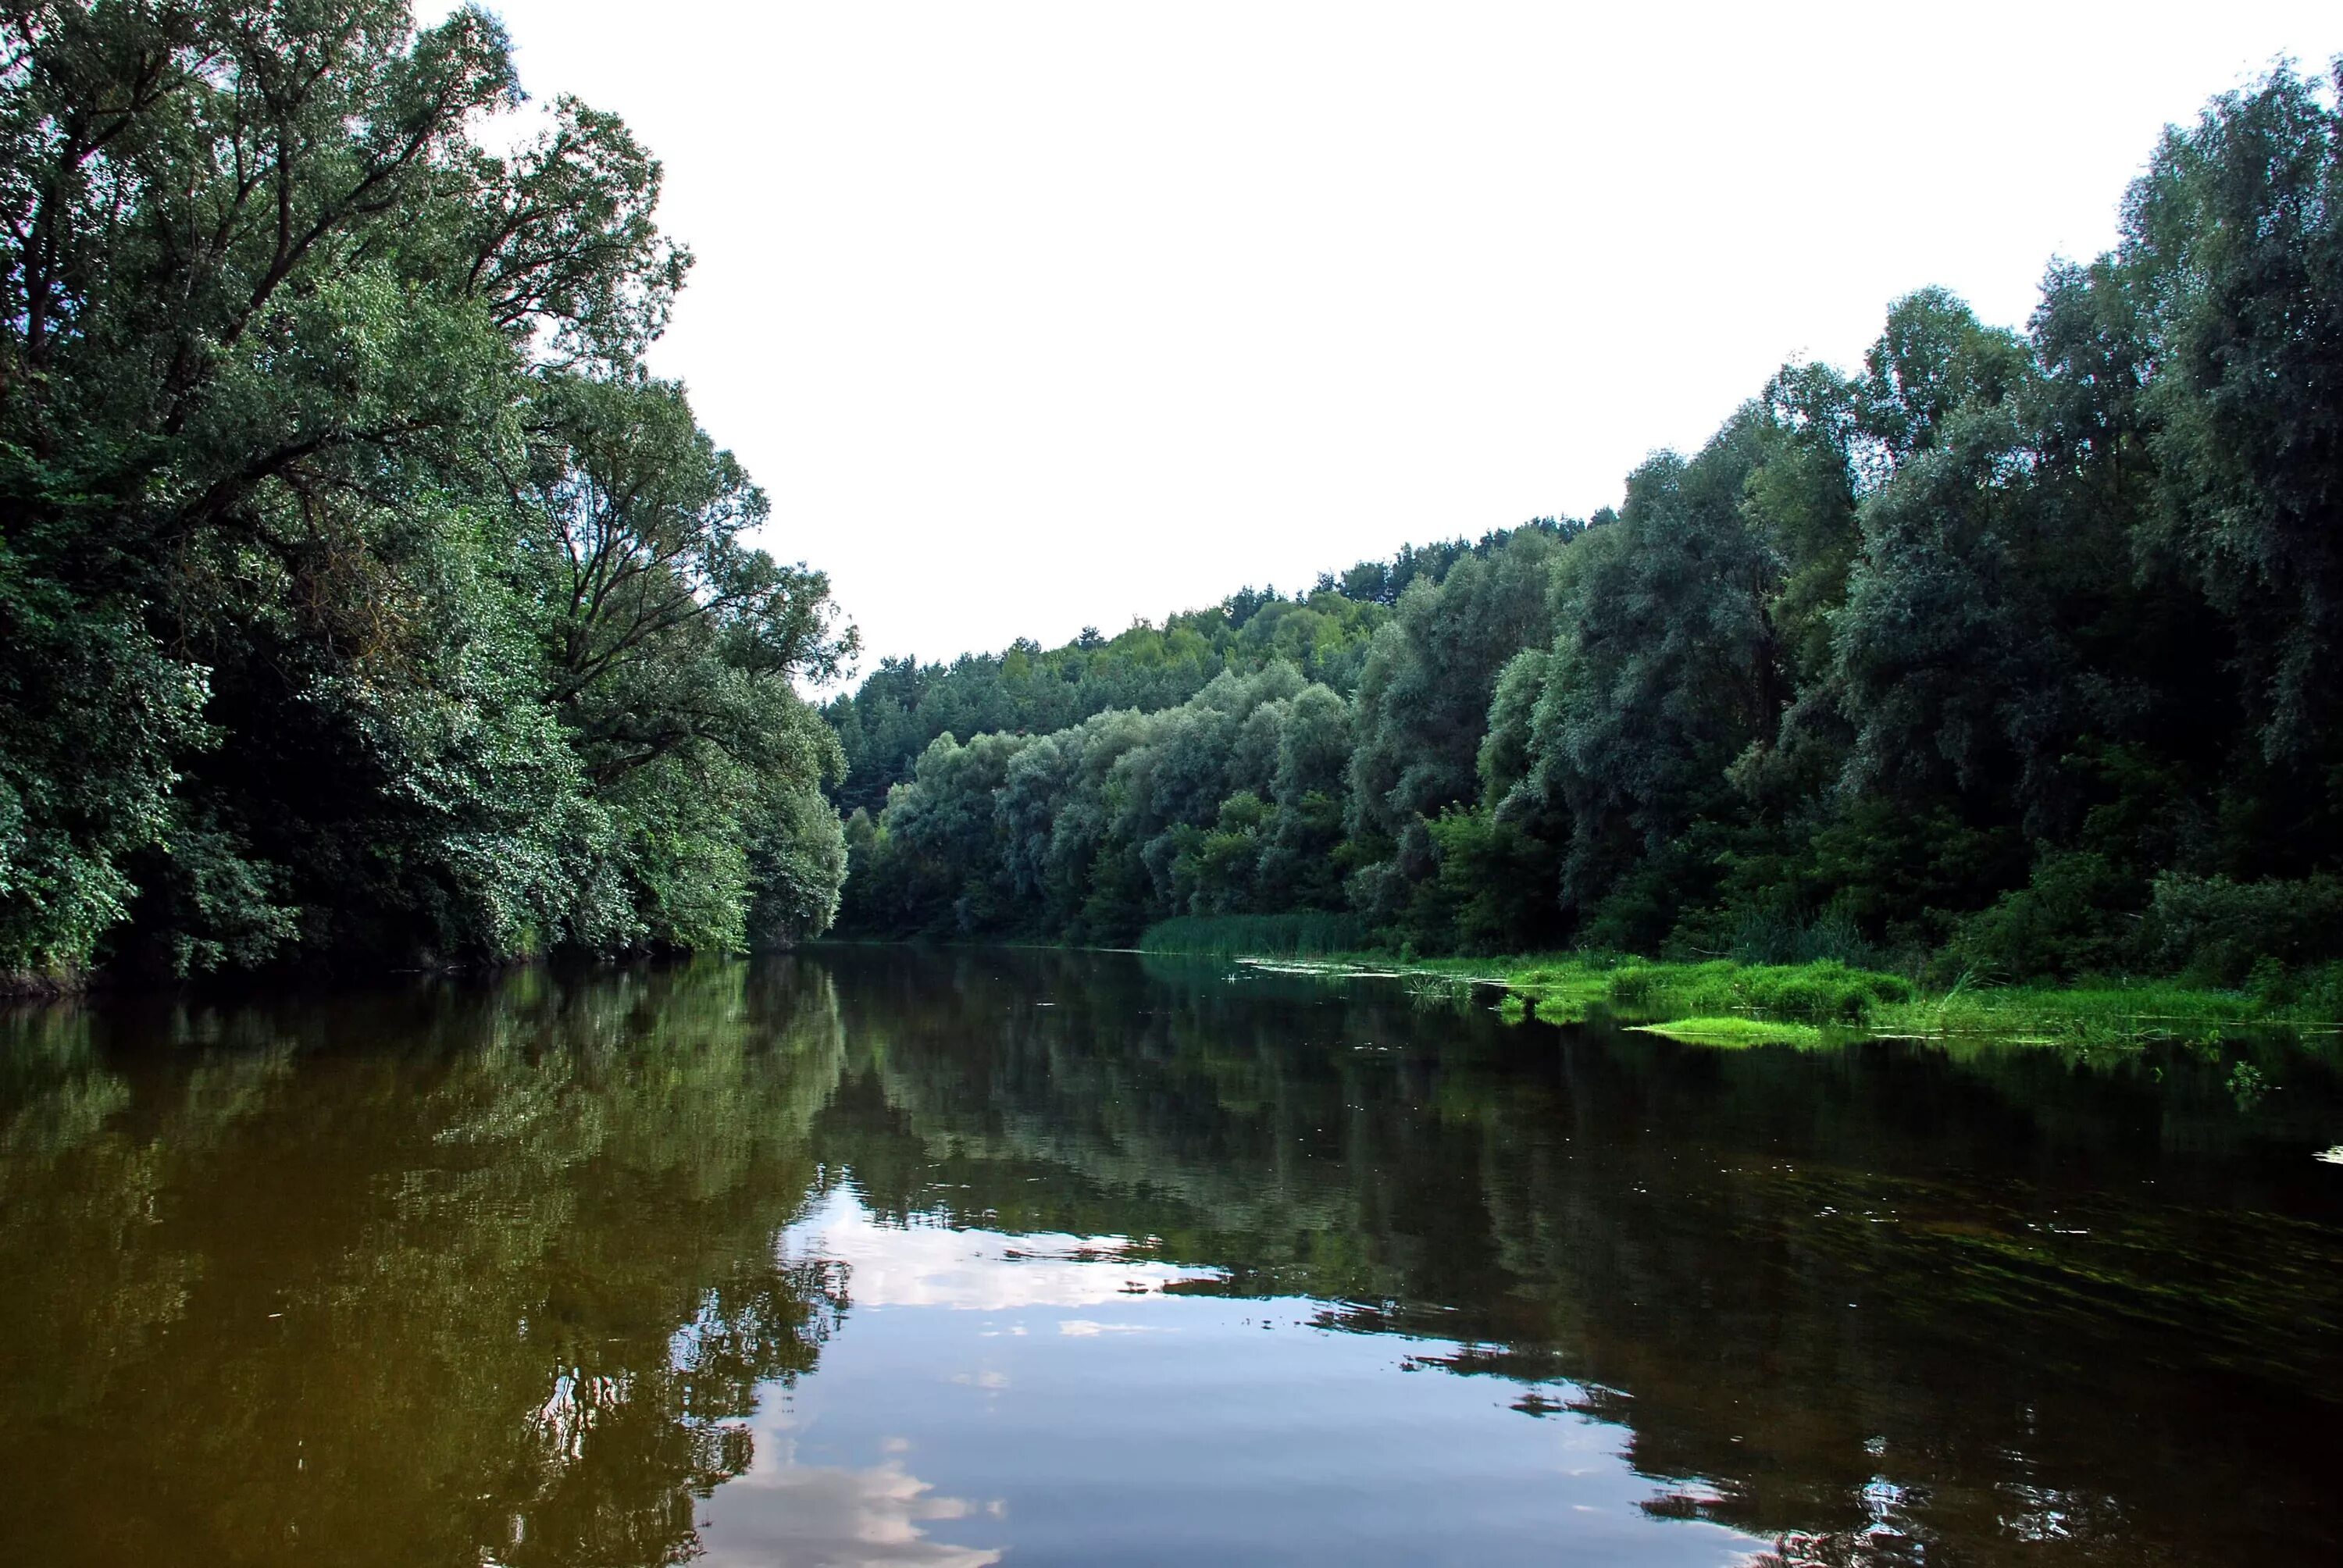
<point x="878" y="1257"/>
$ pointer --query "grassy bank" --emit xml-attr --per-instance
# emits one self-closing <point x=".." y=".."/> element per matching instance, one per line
<point x="1728" y="1003"/>
<point x="1307" y="934"/>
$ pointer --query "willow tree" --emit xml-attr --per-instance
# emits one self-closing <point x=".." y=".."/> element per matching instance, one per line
<point x="273" y="330"/>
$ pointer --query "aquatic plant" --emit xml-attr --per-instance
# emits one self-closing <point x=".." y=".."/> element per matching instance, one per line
<point x="1735" y="1032"/>
<point x="1572" y="988"/>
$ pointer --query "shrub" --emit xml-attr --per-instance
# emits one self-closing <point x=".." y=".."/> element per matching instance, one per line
<point x="2078" y="914"/>
<point x="1824" y="989"/>
<point x="2214" y="930"/>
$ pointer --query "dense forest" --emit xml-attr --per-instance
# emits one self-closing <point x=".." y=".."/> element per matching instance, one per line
<point x="2007" y="652"/>
<point x="364" y="599"/>
<point x="362" y="596"/>
<point x="903" y="706"/>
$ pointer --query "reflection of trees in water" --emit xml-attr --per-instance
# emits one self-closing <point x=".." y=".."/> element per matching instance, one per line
<point x="1844" y="1299"/>
<point x="456" y="1275"/>
<point x="489" y="1274"/>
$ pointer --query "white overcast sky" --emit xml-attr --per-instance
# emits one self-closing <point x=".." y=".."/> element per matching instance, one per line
<point x="1037" y="315"/>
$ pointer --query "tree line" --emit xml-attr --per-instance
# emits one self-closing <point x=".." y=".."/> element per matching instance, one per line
<point x="2011" y="649"/>
<point x="902" y="707"/>
<point x="362" y="594"/>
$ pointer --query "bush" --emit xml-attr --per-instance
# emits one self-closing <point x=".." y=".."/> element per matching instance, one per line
<point x="2077" y="915"/>
<point x="1774" y="932"/>
<point x="1823" y="989"/>
<point x="2213" y="930"/>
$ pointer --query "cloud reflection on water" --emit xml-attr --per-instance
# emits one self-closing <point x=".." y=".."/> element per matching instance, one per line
<point x="879" y="1516"/>
<point x="922" y="1265"/>
<point x="839" y="1517"/>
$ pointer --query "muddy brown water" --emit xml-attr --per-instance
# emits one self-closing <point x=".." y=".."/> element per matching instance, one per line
<point x="878" y="1256"/>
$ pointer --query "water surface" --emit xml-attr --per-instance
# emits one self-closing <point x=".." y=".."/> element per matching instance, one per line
<point x="881" y="1257"/>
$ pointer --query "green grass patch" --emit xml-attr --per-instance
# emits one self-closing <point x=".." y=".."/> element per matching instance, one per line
<point x="1735" y="1032"/>
<point x="1572" y="988"/>
<point x="2087" y="1014"/>
<point x="1638" y="990"/>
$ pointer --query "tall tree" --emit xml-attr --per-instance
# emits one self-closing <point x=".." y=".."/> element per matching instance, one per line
<point x="273" y="328"/>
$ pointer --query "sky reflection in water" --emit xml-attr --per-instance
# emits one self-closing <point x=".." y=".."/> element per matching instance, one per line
<point x="1081" y="1413"/>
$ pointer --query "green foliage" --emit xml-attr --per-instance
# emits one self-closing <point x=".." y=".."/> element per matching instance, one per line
<point x="1846" y="1000"/>
<point x="1423" y="701"/>
<point x="1301" y="934"/>
<point x="1660" y="672"/>
<point x="1823" y="991"/>
<point x="2233" y="247"/>
<point x="2086" y="1015"/>
<point x="798" y="853"/>
<point x="2072" y="917"/>
<point x="1493" y="885"/>
<point x="903" y="705"/>
<point x="1734" y="1031"/>
<point x="1421" y="716"/>
<point x="97" y="712"/>
<point x="2216" y="930"/>
<point x="1219" y="806"/>
<point x="1995" y="656"/>
<point x="364" y="599"/>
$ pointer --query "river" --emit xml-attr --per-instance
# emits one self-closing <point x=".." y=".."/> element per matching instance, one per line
<point x="881" y="1256"/>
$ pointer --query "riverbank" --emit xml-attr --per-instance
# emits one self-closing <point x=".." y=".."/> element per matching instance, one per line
<point x="1719" y="1001"/>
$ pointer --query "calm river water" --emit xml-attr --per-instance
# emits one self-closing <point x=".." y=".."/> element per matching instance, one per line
<point x="884" y="1257"/>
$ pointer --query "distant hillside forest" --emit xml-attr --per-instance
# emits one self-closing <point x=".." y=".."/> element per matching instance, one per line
<point x="2013" y="652"/>
<point x="361" y="596"/>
